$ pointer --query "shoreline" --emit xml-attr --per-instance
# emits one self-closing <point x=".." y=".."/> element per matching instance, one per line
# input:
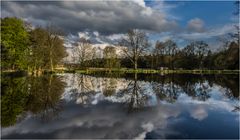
<point x="125" y="70"/>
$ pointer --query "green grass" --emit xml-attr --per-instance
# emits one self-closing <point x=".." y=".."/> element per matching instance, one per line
<point x="143" y="71"/>
<point x="150" y="71"/>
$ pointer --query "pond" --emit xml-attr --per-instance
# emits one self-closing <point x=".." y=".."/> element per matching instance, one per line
<point x="124" y="106"/>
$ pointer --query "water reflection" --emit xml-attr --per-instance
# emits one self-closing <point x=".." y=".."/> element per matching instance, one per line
<point x="137" y="91"/>
<point x="44" y="96"/>
<point x="13" y="99"/>
<point x="37" y="95"/>
<point x="110" y="106"/>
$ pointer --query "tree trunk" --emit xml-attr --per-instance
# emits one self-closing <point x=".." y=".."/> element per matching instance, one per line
<point x="51" y="61"/>
<point x="172" y="62"/>
<point x="151" y="62"/>
<point x="135" y="77"/>
<point x="135" y="62"/>
<point x="135" y="89"/>
<point x="156" y="64"/>
<point x="135" y="65"/>
<point x="51" y="64"/>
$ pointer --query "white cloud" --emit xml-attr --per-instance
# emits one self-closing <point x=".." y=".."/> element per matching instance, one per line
<point x="96" y="33"/>
<point x="84" y="35"/>
<point x="196" y="25"/>
<point x="148" y="127"/>
<point x="140" y="2"/>
<point x="213" y="32"/>
<point x="166" y="8"/>
<point x="199" y="112"/>
<point x="115" y="36"/>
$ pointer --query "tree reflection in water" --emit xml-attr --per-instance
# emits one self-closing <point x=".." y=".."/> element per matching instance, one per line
<point x="43" y="96"/>
<point x="110" y="86"/>
<point x="82" y="88"/>
<point x="139" y="89"/>
<point x="169" y="87"/>
<point x="137" y="93"/>
<point x="14" y="97"/>
<point x="37" y="95"/>
<point x="166" y="89"/>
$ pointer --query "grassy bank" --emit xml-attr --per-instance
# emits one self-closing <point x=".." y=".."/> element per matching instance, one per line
<point x="143" y="71"/>
<point x="149" y="71"/>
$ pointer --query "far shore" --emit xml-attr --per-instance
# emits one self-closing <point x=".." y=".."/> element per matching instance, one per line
<point x="128" y="70"/>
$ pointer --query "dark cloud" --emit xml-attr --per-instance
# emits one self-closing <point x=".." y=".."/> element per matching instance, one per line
<point x="106" y="17"/>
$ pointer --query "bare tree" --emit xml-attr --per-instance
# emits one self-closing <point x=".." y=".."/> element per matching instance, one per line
<point x="137" y="43"/>
<point x="171" y="49"/>
<point x="225" y="40"/>
<point x="201" y="50"/>
<point x="159" y="51"/>
<point x="83" y="50"/>
<point x="54" y="44"/>
<point x="94" y="56"/>
<point x="110" y="56"/>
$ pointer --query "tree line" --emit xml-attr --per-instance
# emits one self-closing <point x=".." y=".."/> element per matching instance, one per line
<point x="138" y="53"/>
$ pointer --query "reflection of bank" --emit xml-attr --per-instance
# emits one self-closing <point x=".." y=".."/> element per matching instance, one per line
<point x="13" y="99"/>
<point x="38" y="95"/>
<point x="45" y="96"/>
<point x="139" y="92"/>
<point x="110" y="87"/>
<point x="137" y="96"/>
<point x="166" y="89"/>
<point x="88" y="107"/>
<point x="80" y="88"/>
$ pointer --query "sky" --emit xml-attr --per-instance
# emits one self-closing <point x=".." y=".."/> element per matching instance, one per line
<point x="107" y="21"/>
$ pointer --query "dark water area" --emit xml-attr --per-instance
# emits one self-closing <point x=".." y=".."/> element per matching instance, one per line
<point x="122" y="106"/>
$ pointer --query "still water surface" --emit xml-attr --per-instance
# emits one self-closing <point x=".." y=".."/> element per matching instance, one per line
<point x="114" y="106"/>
